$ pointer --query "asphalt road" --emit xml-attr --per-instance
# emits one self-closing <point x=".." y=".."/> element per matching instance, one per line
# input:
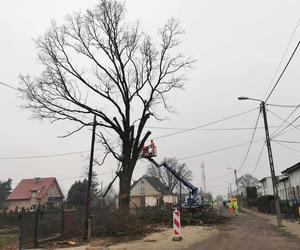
<point x="248" y="231"/>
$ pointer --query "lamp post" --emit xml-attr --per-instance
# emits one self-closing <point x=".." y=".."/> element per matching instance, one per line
<point x="274" y="180"/>
<point x="236" y="182"/>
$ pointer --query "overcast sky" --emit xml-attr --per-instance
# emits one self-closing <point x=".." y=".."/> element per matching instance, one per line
<point x="238" y="46"/>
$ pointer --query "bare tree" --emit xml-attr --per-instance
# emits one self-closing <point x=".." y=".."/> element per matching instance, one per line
<point x="247" y="180"/>
<point x="99" y="64"/>
<point x="166" y="177"/>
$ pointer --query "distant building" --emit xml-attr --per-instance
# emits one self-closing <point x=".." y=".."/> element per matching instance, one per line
<point x="29" y="193"/>
<point x="293" y="188"/>
<point x="266" y="187"/>
<point x="284" y="190"/>
<point x="150" y="191"/>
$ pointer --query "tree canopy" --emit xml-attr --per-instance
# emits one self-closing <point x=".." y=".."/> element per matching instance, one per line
<point x="98" y="64"/>
<point x="77" y="193"/>
<point x="5" y="189"/>
<point x="245" y="181"/>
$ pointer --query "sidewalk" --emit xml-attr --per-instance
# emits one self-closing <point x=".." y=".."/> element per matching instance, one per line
<point x="155" y="241"/>
<point x="288" y="226"/>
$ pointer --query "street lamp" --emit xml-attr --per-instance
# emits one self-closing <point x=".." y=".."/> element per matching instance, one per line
<point x="274" y="180"/>
<point x="236" y="183"/>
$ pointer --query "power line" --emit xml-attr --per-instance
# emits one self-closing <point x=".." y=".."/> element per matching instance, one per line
<point x="258" y="160"/>
<point x="284" y="120"/>
<point x="290" y="124"/>
<point x="279" y="78"/>
<point x="283" y="105"/>
<point x="44" y="156"/>
<point x="204" y="125"/>
<point x="274" y="133"/>
<point x="9" y="86"/>
<point x="286" y="141"/>
<point x="81" y="176"/>
<point x="218" y="150"/>
<point x="285" y="146"/>
<point x="250" y="144"/>
<point x="211" y="129"/>
<point x="284" y="54"/>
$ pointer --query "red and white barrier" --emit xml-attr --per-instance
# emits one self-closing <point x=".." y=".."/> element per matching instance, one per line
<point x="176" y="225"/>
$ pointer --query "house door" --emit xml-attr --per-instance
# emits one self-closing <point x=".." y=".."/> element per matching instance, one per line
<point x="143" y="201"/>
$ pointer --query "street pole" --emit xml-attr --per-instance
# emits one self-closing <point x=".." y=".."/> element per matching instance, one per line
<point x="274" y="181"/>
<point x="180" y="198"/>
<point x="88" y="191"/>
<point x="230" y="189"/>
<point x="236" y="182"/>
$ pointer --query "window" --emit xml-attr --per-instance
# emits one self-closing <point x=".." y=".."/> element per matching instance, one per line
<point x="33" y="194"/>
<point x="142" y="190"/>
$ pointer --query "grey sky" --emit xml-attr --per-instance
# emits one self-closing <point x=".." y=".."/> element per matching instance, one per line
<point x="237" y="44"/>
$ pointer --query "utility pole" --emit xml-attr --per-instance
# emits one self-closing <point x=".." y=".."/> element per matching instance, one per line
<point x="203" y="178"/>
<point x="230" y="189"/>
<point x="274" y="180"/>
<point x="88" y="191"/>
<point x="236" y="182"/>
<point x="180" y="195"/>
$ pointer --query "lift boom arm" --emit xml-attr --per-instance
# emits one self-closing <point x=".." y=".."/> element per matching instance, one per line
<point x="192" y="189"/>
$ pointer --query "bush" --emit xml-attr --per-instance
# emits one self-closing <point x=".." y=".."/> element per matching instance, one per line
<point x="9" y="219"/>
<point x="144" y="220"/>
<point x="205" y="215"/>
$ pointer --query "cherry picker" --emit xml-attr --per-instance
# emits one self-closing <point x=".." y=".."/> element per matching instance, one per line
<point x="149" y="152"/>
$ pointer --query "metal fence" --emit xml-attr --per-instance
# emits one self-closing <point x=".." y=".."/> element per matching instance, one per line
<point x="289" y="209"/>
<point x="40" y="226"/>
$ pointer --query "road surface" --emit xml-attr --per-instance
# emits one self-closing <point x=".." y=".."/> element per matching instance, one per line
<point x="246" y="232"/>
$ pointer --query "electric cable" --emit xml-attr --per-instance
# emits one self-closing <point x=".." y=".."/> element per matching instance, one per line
<point x="274" y="133"/>
<point x="282" y="105"/>
<point x="220" y="149"/>
<point x="259" y="157"/>
<point x="207" y="124"/>
<point x="211" y="129"/>
<point x="286" y="141"/>
<point x="9" y="86"/>
<point x="285" y="128"/>
<point x="288" y="147"/>
<point x="279" y="78"/>
<point x="283" y="56"/>
<point x="45" y="156"/>
<point x="251" y="141"/>
<point x="282" y="119"/>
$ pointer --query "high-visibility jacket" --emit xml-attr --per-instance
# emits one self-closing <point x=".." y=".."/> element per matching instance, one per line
<point x="235" y="205"/>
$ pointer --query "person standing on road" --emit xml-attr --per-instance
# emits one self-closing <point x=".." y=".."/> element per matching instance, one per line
<point x="235" y="207"/>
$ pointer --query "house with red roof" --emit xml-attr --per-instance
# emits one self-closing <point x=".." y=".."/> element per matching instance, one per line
<point x="30" y="193"/>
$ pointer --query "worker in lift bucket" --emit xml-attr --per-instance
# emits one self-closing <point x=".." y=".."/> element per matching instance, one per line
<point x="153" y="148"/>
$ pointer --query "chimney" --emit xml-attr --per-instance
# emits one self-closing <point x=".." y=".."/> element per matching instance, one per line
<point x="36" y="179"/>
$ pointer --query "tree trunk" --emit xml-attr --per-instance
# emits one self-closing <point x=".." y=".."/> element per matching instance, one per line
<point x="124" y="195"/>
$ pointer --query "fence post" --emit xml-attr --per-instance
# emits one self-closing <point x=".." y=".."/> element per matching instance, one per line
<point x="20" y="230"/>
<point x="35" y="240"/>
<point x="62" y="222"/>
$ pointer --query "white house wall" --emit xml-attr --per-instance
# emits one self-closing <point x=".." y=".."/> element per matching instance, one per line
<point x="170" y="199"/>
<point x="283" y="190"/>
<point x="148" y="189"/>
<point x="295" y="178"/>
<point x="295" y="184"/>
<point x="150" y="201"/>
<point x="266" y="186"/>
